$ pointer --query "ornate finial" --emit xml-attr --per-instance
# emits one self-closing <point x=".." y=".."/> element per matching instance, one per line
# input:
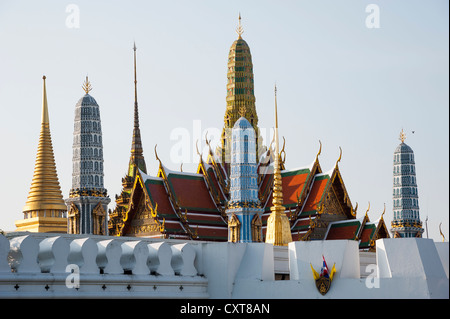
<point x="402" y="136"/>
<point x="198" y="152"/>
<point x="283" y="160"/>
<point x="443" y="237"/>
<point x="320" y="150"/>
<point x="156" y="154"/>
<point x="340" y="155"/>
<point x="368" y="208"/>
<point x="239" y="29"/>
<point x="355" y="209"/>
<point x="208" y="142"/>
<point x="87" y="85"/>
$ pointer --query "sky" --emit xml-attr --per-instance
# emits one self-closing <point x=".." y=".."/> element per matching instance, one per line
<point x="347" y="74"/>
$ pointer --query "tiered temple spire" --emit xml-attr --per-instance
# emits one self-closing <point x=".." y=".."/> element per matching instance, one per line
<point x="44" y="210"/>
<point x="240" y="93"/>
<point x="278" y="226"/>
<point x="406" y="221"/>
<point x="136" y="162"/>
<point x="137" y="152"/>
<point x="88" y="200"/>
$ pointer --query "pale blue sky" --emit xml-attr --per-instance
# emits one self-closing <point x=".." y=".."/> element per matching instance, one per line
<point x="338" y="81"/>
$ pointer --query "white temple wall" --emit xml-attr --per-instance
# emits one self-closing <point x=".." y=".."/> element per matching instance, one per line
<point x="37" y="265"/>
<point x="442" y="249"/>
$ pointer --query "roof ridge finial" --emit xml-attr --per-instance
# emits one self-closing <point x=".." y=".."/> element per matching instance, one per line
<point x="340" y="156"/>
<point x="320" y="151"/>
<point x="87" y="85"/>
<point x="440" y="231"/>
<point x="368" y="208"/>
<point x="239" y="29"/>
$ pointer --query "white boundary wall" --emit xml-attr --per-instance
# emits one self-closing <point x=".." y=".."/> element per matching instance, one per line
<point x="80" y="266"/>
<point x="37" y="265"/>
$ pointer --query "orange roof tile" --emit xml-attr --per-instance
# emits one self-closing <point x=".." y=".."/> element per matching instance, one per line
<point x="316" y="194"/>
<point x="158" y="195"/>
<point x="293" y="185"/>
<point x="367" y="234"/>
<point x="191" y="191"/>
<point x="344" y="230"/>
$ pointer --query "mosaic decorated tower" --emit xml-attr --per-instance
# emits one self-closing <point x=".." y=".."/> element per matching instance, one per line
<point x="44" y="210"/>
<point x="88" y="200"/>
<point x="240" y="93"/>
<point x="406" y="221"/>
<point x="244" y="208"/>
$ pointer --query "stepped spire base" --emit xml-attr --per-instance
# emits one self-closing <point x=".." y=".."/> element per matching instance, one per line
<point x="278" y="229"/>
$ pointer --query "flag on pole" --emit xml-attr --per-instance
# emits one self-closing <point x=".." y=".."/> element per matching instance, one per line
<point x="324" y="270"/>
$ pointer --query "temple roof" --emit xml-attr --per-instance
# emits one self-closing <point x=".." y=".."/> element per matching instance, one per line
<point x="184" y="204"/>
<point x="190" y="191"/>
<point x="403" y="148"/>
<point x="360" y="229"/>
<point x="86" y="100"/>
<point x="192" y="205"/>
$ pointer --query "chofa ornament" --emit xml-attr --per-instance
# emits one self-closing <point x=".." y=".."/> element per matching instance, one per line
<point x="324" y="279"/>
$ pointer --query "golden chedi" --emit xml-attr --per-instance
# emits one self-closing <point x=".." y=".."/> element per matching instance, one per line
<point x="45" y="209"/>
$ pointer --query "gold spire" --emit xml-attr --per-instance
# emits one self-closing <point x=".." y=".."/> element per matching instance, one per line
<point x="87" y="85"/>
<point x="137" y="153"/>
<point x="45" y="199"/>
<point x="278" y="227"/>
<point x="402" y="136"/>
<point x="135" y="77"/>
<point x="44" y="118"/>
<point x="239" y="29"/>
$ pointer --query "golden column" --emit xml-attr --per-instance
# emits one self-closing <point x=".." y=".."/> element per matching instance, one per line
<point x="278" y="227"/>
<point x="45" y="209"/>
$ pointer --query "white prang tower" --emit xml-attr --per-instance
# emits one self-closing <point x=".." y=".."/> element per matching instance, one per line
<point x="406" y="221"/>
<point x="88" y="200"/>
